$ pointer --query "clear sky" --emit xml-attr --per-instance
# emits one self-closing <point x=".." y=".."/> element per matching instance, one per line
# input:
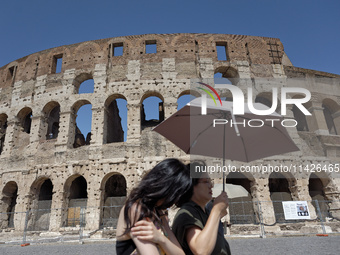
<point x="308" y="29"/>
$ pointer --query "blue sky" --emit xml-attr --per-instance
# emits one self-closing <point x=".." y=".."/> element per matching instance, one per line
<point x="309" y="30"/>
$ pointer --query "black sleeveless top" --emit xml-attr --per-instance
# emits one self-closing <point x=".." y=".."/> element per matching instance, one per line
<point x="125" y="247"/>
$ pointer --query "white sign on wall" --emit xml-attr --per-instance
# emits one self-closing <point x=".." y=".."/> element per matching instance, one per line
<point x="296" y="210"/>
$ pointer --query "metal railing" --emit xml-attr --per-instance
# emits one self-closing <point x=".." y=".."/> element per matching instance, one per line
<point x="255" y="218"/>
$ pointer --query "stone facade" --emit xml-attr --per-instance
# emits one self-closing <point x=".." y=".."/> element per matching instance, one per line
<point x="39" y="138"/>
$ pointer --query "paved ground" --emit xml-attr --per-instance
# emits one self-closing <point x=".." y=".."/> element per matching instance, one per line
<point x="254" y="246"/>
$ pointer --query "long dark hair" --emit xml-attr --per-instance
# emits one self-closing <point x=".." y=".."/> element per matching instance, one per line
<point x="166" y="182"/>
<point x="186" y="197"/>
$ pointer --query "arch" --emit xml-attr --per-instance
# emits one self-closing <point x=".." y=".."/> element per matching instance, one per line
<point x="82" y="81"/>
<point x="114" y="194"/>
<point x="219" y="79"/>
<point x="25" y="119"/>
<point x="52" y="119"/>
<point x="226" y="75"/>
<point x="329" y="108"/>
<point x="3" y="128"/>
<point x="279" y="187"/>
<point x="83" y="123"/>
<point x="185" y="97"/>
<point x="115" y="119"/>
<point x="41" y="193"/>
<point x="152" y="104"/>
<point x="316" y="187"/>
<point x="228" y="72"/>
<point x="76" y="200"/>
<point x="9" y="199"/>
<point x="241" y="209"/>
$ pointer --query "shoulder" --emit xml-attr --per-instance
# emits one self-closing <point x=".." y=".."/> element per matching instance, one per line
<point x="189" y="208"/>
<point x="187" y="215"/>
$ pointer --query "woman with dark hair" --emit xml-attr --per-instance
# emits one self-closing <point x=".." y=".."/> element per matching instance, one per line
<point x="142" y="225"/>
<point x="198" y="226"/>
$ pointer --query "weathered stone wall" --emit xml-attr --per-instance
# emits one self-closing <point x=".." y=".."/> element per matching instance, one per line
<point x="31" y="84"/>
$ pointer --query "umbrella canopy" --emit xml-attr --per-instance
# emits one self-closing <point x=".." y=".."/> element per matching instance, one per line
<point x="233" y="191"/>
<point x="244" y="137"/>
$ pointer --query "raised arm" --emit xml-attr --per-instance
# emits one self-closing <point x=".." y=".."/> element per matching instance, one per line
<point x="145" y="231"/>
<point x="202" y="241"/>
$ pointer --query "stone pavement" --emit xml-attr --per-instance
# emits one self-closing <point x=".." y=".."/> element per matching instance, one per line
<point x="312" y="245"/>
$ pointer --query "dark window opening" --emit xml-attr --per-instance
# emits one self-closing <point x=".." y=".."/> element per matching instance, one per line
<point x="46" y="190"/>
<point x="57" y="63"/>
<point x="9" y="200"/>
<point x="78" y="188"/>
<point x="316" y="192"/>
<point x="241" y="208"/>
<point x="279" y="191"/>
<point x="152" y="112"/>
<point x="77" y="202"/>
<point x="27" y="123"/>
<point x="116" y="120"/>
<point x="222" y="51"/>
<point x="114" y="198"/>
<point x="115" y="186"/>
<point x="329" y="120"/>
<point x="53" y="123"/>
<point x="150" y="47"/>
<point x="3" y="127"/>
<point x="11" y="72"/>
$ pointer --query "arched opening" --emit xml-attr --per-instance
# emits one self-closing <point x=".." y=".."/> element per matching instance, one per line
<point x="77" y="202"/>
<point x="86" y="87"/>
<point x="241" y="209"/>
<point x="329" y="120"/>
<point x="115" y="119"/>
<point x="331" y="110"/>
<point x="279" y="191"/>
<point x="83" y="124"/>
<point x="3" y="127"/>
<point x="185" y="97"/>
<point x="152" y="111"/>
<point x="9" y="200"/>
<point x="220" y="79"/>
<point x="316" y="188"/>
<point x="52" y="118"/>
<point x="114" y="198"/>
<point x="226" y="75"/>
<point x="25" y="119"/>
<point x="83" y="83"/>
<point x="41" y="195"/>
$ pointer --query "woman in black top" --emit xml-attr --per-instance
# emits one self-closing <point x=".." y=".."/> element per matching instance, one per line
<point x="142" y="226"/>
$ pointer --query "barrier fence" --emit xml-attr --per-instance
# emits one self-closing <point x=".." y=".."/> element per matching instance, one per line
<point x="245" y="218"/>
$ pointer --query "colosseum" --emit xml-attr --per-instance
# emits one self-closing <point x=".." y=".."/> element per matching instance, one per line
<point x="53" y="178"/>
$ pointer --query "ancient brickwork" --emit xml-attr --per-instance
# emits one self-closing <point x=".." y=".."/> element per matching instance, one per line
<point x="39" y="104"/>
